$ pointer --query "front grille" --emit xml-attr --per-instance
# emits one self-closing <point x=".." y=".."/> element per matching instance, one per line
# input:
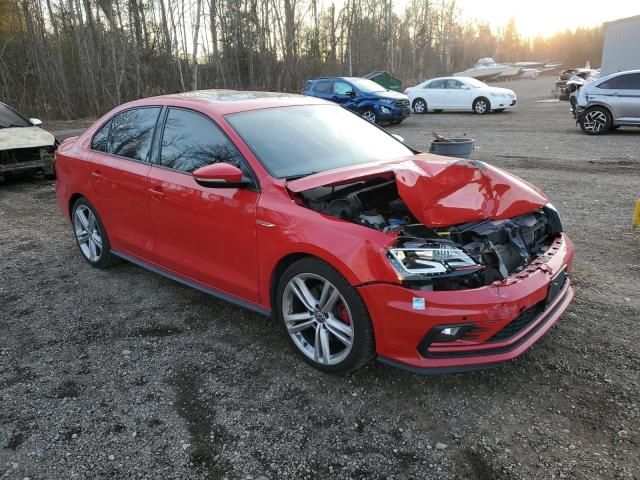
<point x="19" y="155"/>
<point x="522" y="321"/>
<point x="402" y="103"/>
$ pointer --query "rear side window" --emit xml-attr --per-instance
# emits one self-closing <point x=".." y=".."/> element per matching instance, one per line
<point x="323" y="87"/>
<point x="99" y="141"/>
<point x="436" y="84"/>
<point x="630" y="81"/>
<point x="191" y="140"/>
<point x="131" y="133"/>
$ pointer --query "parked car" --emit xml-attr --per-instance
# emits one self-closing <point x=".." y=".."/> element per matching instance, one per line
<point x="608" y="103"/>
<point x="293" y="207"/>
<point x="365" y="97"/>
<point x="24" y="146"/>
<point x="459" y="93"/>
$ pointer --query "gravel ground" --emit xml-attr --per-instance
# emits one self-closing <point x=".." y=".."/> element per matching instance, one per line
<point x="125" y="374"/>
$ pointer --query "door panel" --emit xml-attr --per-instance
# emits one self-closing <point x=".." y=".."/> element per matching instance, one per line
<point x="434" y="94"/>
<point x="205" y="234"/>
<point x="457" y="97"/>
<point x="121" y="189"/>
<point x="119" y="155"/>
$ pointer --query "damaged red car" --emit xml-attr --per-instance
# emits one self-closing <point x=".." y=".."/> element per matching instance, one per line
<point x="296" y="208"/>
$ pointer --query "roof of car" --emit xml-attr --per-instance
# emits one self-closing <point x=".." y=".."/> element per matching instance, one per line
<point x="230" y="101"/>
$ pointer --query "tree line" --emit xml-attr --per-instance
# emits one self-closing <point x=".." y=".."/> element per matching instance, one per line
<point x="71" y="58"/>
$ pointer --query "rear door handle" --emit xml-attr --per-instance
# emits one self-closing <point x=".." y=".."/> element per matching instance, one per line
<point x="97" y="175"/>
<point x="156" y="193"/>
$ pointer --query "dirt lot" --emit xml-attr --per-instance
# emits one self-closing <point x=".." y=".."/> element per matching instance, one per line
<point x="124" y="374"/>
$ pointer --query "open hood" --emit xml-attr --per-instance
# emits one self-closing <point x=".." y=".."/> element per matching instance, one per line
<point x="24" y="137"/>
<point x="440" y="191"/>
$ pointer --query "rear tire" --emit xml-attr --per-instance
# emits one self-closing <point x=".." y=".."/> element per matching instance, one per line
<point x="481" y="106"/>
<point x="420" y="106"/>
<point x="91" y="236"/>
<point x="325" y="317"/>
<point x="596" y="121"/>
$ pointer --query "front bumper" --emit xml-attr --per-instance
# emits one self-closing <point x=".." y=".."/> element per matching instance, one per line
<point x="508" y="316"/>
<point x="391" y="112"/>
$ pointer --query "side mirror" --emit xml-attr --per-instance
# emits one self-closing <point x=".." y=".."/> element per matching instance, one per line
<point x="398" y="137"/>
<point x="351" y="94"/>
<point x="35" y="121"/>
<point x="465" y="87"/>
<point x="220" y="175"/>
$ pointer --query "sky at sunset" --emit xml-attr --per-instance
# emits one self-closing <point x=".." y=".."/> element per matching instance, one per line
<point x="546" y="17"/>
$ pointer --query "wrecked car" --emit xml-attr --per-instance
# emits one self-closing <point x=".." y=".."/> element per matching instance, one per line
<point x="293" y="207"/>
<point x="24" y="146"/>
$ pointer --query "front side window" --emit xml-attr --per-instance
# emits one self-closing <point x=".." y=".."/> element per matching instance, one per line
<point x="455" y="84"/>
<point x="131" y="133"/>
<point x="300" y="140"/>
<point x="191" y="140"/>
<point x="436" y="84"/>
<point x="323" y="87"/>
<point x="342" y="88"/>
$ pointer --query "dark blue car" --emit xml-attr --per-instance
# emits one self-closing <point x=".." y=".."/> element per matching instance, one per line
<point x="374" y="102"/>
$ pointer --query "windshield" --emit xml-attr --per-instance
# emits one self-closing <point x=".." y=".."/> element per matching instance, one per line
<point x="472" y="82"/>
<point x="367" y="86"/>
<point x="293" y="142"/>
<point x="10" y="118"/>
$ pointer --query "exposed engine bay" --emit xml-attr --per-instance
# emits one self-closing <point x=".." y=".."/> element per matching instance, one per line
<point x="463" y="256"/>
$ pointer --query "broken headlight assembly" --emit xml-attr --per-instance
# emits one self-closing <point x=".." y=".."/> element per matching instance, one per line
<point x="430" y="259"/>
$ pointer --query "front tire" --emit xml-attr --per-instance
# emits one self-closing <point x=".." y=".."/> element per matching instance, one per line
<point x="325" y="317"/>
<point x="419" y="106"/>
<point x="481" y="106"/>
<point x="90" y="235"/>
<point x="596" y="121"/>
<point x="369" y="115"/>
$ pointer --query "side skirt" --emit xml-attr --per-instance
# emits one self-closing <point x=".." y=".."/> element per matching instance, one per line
<point x="194" y="284"/>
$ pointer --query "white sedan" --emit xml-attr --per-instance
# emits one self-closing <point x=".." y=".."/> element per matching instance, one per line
<point x="459" y="93"/>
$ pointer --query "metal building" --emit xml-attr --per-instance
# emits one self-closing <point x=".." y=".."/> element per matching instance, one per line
<point x="621" y="45"/>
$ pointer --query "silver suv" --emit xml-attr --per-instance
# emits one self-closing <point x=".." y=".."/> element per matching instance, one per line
<point x="608" y="103"/>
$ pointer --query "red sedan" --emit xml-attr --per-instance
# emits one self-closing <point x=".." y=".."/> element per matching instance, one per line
<point x="294" y="207"/>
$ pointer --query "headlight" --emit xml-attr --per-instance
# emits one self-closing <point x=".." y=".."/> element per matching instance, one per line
<point x="388" y="101"/>
<point x="429" y="260"/>
<point x="385" y="110"/>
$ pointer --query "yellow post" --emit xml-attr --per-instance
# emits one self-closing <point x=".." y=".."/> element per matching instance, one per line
<point x="636" y="215"/>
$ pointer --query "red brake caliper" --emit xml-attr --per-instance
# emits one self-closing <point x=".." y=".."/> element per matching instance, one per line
<point x="343" y="315"/>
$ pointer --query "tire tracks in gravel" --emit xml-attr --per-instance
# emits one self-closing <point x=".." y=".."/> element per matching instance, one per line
<point x="196" y="408"/>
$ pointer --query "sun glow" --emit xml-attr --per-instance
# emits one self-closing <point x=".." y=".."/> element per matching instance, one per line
<point x="546" y="17"/>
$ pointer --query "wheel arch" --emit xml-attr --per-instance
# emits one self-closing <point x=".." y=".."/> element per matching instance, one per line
<point x="481" y="97"/>
<point x="72" y="200"/>
<point x="289" y="259"/>
<point x="416" y="99"/>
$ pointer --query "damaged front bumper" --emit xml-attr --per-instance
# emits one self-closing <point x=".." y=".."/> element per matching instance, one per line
<point x="448" y="331"/>
<point x="23" y="159"/>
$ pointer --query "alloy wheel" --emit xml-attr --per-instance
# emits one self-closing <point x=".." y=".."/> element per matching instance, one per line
<point x="370" y="116"/>
<point x="318" y="318"/>
<point x="595" y="121"/>
<point x="87" y="232"/>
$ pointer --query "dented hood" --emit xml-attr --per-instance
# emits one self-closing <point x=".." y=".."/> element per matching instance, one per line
<point x="441" y="191"/>
<point x="24" y="137"/>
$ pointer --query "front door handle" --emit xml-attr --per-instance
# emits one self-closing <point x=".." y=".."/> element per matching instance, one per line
<point x="96" y="175"/>
<point x="158" y="194"/>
